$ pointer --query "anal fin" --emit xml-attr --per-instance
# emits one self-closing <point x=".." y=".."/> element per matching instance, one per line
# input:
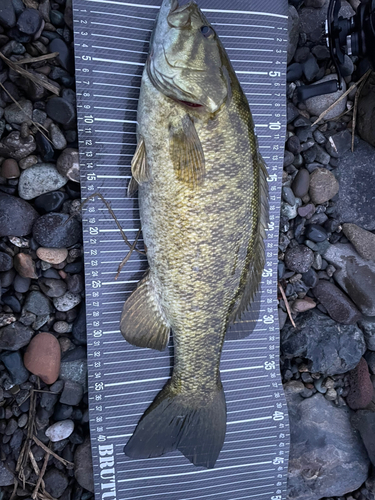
<point x="142" y="322"/>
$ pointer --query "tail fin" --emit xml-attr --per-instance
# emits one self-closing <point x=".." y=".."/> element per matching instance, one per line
<point x="192" y="424"/>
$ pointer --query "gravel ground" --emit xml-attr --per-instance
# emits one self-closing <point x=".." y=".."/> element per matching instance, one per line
<point x="326" y="266"/>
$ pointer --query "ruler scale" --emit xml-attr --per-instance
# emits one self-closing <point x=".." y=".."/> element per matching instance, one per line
<point x="111" y="46"/>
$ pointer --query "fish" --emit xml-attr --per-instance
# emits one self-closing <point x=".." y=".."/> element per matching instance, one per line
<point x="203" y="201"/>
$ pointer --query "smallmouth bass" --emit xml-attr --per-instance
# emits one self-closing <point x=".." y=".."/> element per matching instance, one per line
<point x="203" y="198"/>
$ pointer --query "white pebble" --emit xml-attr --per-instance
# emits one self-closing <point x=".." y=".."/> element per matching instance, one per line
<point x="60" y="430"/>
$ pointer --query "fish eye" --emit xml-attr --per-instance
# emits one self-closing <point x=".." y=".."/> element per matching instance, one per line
<point x="207" y="32"/>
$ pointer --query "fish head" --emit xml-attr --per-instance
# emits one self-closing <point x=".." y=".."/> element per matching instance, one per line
<point x="187" y="62"/>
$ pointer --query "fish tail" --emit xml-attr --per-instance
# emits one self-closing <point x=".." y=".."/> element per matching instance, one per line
<point x="194" y="424"/>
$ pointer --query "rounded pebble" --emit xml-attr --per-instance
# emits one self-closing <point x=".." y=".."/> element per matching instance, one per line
<point x="53" y="231"/>
<point x="25" y="266"/>
<point x="68" y="164"/>
<point x="323" y="186"/>
<point x="43" y="356"/>
<point x="301" y="183"/>
<point x="6" y="262"/>
<point x="60" y="110"/>
<point x="60" y="430"/>
<point x="17" y="216"/>
<point x="39" y="179"/>
<point x="299" y="258"/>
<point x="52" y="255"/>
<point x="10" y="169"/>
<point x="67" y="301"/>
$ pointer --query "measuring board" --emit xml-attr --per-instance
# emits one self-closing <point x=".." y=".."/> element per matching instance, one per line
<point x="111" y="47"/>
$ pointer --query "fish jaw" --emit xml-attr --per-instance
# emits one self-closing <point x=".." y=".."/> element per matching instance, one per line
<point x="184" y="64"/>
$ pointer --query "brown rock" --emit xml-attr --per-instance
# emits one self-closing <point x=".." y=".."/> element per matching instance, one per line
<point x="43" y="356"/>
<point x="52" y="255"/>
<point x="10" y="169"/>
<point x="363" y="241"/>
<point x="25" y="266"/>
<point x="302" y="305"/>
<point x="68" y="164"/>
<point x="323" y="186"/>
<point x="361" y="389"/>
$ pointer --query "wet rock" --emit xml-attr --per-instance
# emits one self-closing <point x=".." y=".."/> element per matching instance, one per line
<point x="55" y="482"/>
<point x="13" y="114"/>
<point x="15" y="336"/>
<point x="45" y="148"/>
<point x="8" y="20"/>
<point x="42" y="357"/>
<point x="323" y="186"/>
<point x="333" y="348"/>
<point x="52" y="287"/>
<point x="293" y="32"/>
<point x="14" y="365"/>
<point x="327" y="457"/>
<point x="316" y="233"/>
<point x="39" y="179"/>
<point x="355" y="276"/>
<point x="29" y="21"/>
<point x="60" y="430"/>
<point x="52" y="230"/>
<point x="316" y="105"/>
<point x="364" y="422"/>
<point x="356" y="175"/>
<point x="301" y="182"/>
<point x="366" y="111"/>
<point x="362" y="240"/>
<point x="20" y="284"/>
<point x="83" y="466"/>
<point x="6" y="262"/>
<point x="57" y="137"/>
<point x="68" y="164"/>
<point x="65" y="57"/>
<point x="67" y="301"/>
<point x="52" y="255"/>
<point x="60" y="110"/>
<point x="37" y="304"/>
<point x="338" y="305"/>
<point x="299" y="258"/>
<point x="367" y="325"/>
<point x="50" y="202"/>
<point x="72" y="393"/>
<point x="361" y="388"/>
<point x="25" y="266"/>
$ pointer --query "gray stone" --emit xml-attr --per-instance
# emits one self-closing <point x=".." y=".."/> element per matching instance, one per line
<point x="339" y="143"/>
<point x="299" y="258"/>
<point x="55" y="482"/>
<point x="313" y="22"/>
<point x="288" y="211"/>
<point x="338" y="305"/>
<point x="293" y="31"/>
<point x="68" y="164"/>
<point x="39" y="179"/>
<point x="356" y="175"/>
<point x="57" y="137"/>
<point x="367" y="325"/>
<point x="38" y="304"/>
<point x="13" y="114"/>
<point x="333" y="348"/>
<point x="60" y="430"/>
<point x="362" y="240"/>
<point x="83" y="466"/>
<point x="76" y="371"/>
<point x="14" y="146"/>
<point x="15" y="336"/>
<point x="355" y="276"/>
<point x="72" y="393"/>
<point x="316" y="105"/>
<point x="364" y="422"/>
<point x="67" y="301"/>
<point x="6" y="477"/>
<point x="327" y="457"/>
<point x="301" y="182"/>
<point x="53" y="230"/>
<point x="52" y="287"/>
<point x="288" y="195"/>
<point x="323" y="186"/>
<point x="366" y="111"/>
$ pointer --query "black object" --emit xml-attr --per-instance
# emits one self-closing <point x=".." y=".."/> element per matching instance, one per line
<point x="354" y="36"/>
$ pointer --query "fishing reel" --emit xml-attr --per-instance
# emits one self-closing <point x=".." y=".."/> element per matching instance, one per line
<point x="354" y="36"/>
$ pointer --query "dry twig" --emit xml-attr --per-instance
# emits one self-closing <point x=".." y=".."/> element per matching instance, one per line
<point x="286" y="305"/>
<point x="125" y="260"/>
<point x="40" y="477"/>
<point x="29" y="60"/>
<point x="322" y="115"/>
<point x="30" y="76"/>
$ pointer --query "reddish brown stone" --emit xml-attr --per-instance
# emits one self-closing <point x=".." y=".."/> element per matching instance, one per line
<point x="10" y="169"/>
<point x="43" y="356"/>
<point x="25" y="266"/>
<point x="361" y="388"/>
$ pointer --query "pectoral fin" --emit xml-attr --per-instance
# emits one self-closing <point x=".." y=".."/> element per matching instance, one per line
<point x="248" y="299"/>
<point x="142" y="322"/>
<point x="186" y="152"/>
<point x="140" y="167"/>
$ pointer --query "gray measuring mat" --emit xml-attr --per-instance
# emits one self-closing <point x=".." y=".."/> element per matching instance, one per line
<point x="111" y="46"/>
